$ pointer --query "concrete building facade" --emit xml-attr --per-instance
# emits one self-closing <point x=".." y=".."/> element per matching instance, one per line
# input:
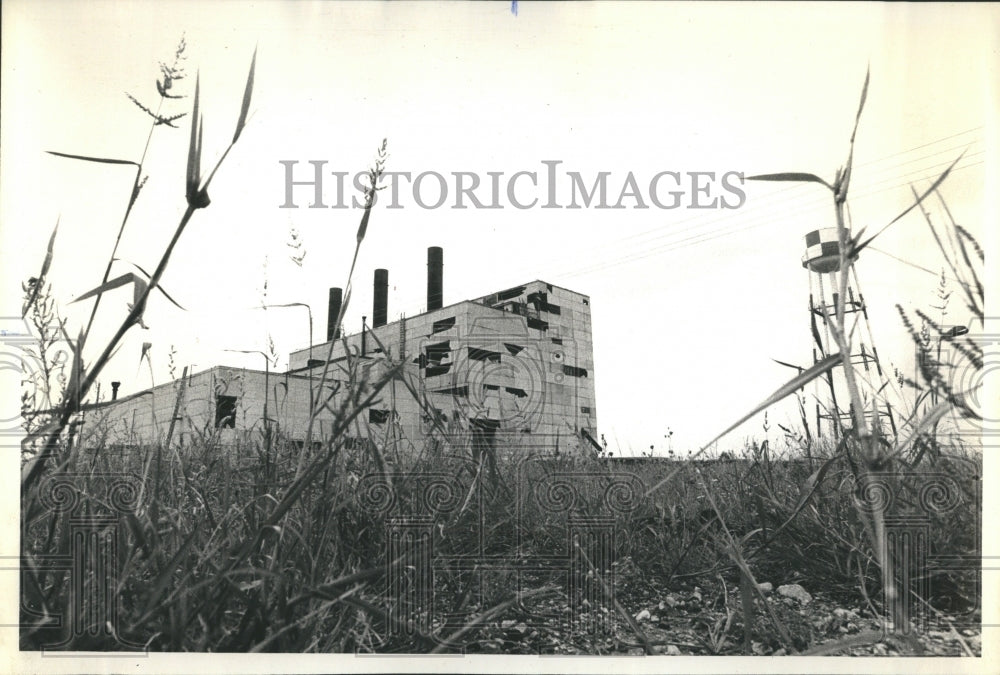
<point x="512" y="369"/>
<point x="515" y="367"/>
<point x="228" y="405"/>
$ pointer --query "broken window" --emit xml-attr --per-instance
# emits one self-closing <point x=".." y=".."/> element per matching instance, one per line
<point x="432" y="357"/>
<point x="518" y="308"/>
<point x="462" y="390"/>
<point x="443" y="325"/>
<point x="437" y="352"/>
<point x="435" y="414"/>
<point x="479" y="354"/>
<point x="538" y="324"/>
<point x="513" y="349"/>
<point x="378" y="416"/>
<point x="225" y="412"/>
<point x="509" y="294"/>
<point x="540" y="301"/>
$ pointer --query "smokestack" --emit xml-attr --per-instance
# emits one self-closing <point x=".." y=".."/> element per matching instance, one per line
<point x="333" y="310"/>
<point x="380" y="306"/>
<point x="114" y="390"/>
<point x="435" y="265"/>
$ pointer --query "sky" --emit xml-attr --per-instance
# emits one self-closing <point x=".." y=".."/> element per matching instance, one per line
<point x="690" y="306"/>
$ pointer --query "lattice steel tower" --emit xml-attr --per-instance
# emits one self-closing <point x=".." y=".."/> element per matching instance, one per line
<point x="822" y="261"/>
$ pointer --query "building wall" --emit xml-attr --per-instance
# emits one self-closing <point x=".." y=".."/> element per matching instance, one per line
<point x="520" y="360"/>
<point x="145" y="417"/>
<point x="514" y="369"/>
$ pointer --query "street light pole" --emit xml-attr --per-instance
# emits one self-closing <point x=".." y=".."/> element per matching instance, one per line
<point x="310" y="358"/>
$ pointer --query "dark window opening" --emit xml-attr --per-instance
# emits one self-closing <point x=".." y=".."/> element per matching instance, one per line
<point x="557" y="341"/>
<point x="537" y="324"/>
<point x="586" y="301"/>
<point x="432" y="371"/>
<point x="435" y="353"/>
<point x="516" y="391"/>
<point x="435" y="414"/>
<point x="484" y="355"/>
<point x="513" y="349"/>
<point x="314" y="363"/>
<point x="509" y="294"/>
<point x="574" y="371"/>
<point x="519" y="308"/>
<point x="378" y="416"/>
<point x="585" y="409"/>
<point x="225" y="412"/>
<point x="540" y="301"/>
<point x="462" y="390"/>
<point x="443" y="325"/>
<point x="491" y="387"/>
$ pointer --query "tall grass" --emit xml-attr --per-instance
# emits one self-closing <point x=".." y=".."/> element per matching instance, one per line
<point x="277" y="545"/>
<point x="191" y="534"/>
<point x="877" y="465"/>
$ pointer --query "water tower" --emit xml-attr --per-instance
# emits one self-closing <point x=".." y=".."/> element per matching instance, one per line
<point x="822" y="261"/>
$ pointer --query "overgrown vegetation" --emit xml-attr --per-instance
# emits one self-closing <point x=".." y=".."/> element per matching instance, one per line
<point x="279" y="546"/>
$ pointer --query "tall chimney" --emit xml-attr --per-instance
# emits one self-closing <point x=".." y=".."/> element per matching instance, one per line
<point x="333" y="310"/>
<point x="380" y="304"/>
<point x="114" y="390"/>
<point x="435" y="265"/>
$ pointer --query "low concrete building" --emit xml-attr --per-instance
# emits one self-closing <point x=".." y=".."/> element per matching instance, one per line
<point x="227" y="405"/>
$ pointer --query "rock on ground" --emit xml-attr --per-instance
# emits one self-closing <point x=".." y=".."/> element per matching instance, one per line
<point x="795" y="592"/>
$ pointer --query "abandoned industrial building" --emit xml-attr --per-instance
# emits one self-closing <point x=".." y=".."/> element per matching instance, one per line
<point x="513" y="369"/>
